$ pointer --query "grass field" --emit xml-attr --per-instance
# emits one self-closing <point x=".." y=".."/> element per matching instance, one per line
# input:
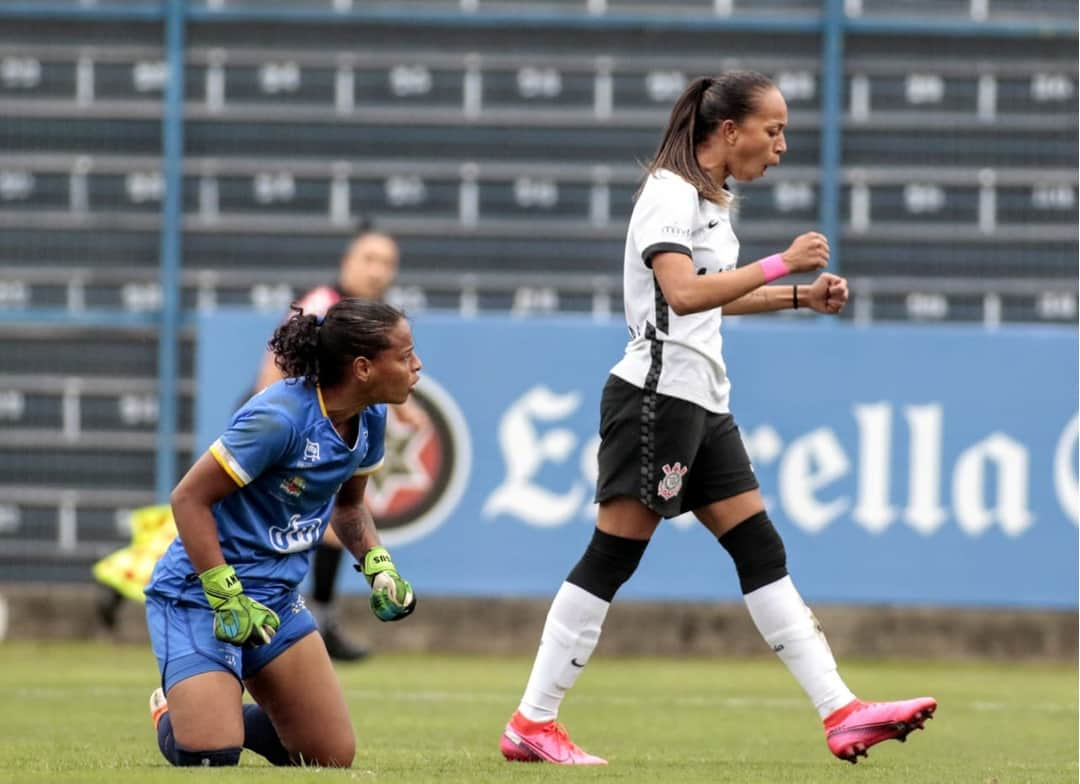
<point x="77" y="712"/>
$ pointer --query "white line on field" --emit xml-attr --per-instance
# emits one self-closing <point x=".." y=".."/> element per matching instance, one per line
<point x="439" y="696"/>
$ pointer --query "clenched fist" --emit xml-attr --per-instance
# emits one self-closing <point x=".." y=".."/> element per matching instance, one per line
<point x="807" y="253"/>
<point x="827" y="294"/>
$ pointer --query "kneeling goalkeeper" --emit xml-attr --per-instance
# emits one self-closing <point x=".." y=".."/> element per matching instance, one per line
<point x="223" y="606"/>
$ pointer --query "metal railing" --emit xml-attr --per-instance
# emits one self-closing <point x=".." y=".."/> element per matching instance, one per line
<point x="838" y="106"/>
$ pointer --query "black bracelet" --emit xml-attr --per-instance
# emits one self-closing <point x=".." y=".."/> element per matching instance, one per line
<point x="795" y="296"/>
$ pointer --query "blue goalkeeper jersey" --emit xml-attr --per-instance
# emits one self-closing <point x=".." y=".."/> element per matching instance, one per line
<point x="289" y="462"/>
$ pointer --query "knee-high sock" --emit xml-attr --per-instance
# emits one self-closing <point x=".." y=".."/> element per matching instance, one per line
<point x="792" y="631"/>
<point x="261" y="737"/>
<point x="570" y="635"/>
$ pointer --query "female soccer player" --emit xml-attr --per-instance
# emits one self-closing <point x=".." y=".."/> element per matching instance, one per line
<point x="668" y="442"/>
<point x="222" y="606"/>
<point x="367" y="270"/>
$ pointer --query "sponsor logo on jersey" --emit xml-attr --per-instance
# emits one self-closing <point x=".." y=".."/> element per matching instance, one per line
<point x="677" y="230"/>
<point x="296" y="536"/>
<point x="671" y="484"/>
<point x="294" y="486"/>
<point x="311" y="451"/>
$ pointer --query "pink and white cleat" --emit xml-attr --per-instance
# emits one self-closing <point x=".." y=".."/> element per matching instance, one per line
<point x="853" y="729"/>
<point x="546" y="741"/>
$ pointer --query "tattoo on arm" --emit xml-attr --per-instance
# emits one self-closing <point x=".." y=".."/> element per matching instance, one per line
<point x="355" y="528"/>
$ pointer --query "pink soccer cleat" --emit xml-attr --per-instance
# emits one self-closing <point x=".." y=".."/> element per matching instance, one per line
<point x="853" y="729"/>
<point x="547" y="741"/>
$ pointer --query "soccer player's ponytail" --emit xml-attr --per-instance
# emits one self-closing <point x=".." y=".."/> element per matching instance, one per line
<point x="698" y="112"/>
<point x="295" y="345"/>
<point x="320" y="350"/>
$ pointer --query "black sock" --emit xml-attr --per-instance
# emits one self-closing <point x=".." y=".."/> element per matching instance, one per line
<point x="261" y="737"/>
<point x="165" y="740"/>
<point x="179" y="756"/>
<point x="324" y="571"/>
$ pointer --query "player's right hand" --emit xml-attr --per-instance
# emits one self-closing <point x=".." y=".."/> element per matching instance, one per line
<point x="392" y="597"/>
<point x="807" y="253"/>
<point x="238" y="618"/>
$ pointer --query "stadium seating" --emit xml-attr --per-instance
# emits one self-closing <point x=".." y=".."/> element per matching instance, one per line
<point x="504" y="157"/>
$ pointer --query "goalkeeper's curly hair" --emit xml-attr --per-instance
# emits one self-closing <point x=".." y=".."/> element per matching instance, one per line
<point x="320" y="350"/>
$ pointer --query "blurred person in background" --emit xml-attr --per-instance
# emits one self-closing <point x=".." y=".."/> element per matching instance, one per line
<point x="124" y="573"/>
<point x="223" y="606"/>
<point x="669" y="444"/>
<point x="368" y="269"/>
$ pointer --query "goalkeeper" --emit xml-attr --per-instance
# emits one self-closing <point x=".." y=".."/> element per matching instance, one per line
<point x="223" y="606"/>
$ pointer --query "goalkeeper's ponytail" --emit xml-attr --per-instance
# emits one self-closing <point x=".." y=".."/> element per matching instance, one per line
<point x="320" y="350"/>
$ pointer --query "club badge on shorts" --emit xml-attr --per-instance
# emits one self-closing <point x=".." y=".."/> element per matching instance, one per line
<point x="671" y="484"/>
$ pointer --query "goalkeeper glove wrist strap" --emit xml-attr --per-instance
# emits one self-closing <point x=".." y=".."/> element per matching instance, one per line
<point x="220" y="584"/>
<point x="376" y="560"/>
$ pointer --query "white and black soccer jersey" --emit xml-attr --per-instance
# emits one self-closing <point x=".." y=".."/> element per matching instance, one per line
<point x="674" y="355"/>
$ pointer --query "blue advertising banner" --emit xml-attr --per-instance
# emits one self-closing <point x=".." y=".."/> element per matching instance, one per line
<point x="902" y="464"/>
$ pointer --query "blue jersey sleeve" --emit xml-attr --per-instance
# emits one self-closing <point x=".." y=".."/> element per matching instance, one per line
<point x="374" y="420"/>
<point x="257" y="438"/>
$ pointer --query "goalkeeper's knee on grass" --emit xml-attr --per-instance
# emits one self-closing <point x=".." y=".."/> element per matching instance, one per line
<point x="218" y="758"/>
<point x="185" y="758"/>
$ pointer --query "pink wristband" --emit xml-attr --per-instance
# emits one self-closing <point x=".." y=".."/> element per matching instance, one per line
<point x="774" y="267"/>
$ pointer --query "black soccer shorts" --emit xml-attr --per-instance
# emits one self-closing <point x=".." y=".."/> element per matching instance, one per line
<point x="672" y="455"/>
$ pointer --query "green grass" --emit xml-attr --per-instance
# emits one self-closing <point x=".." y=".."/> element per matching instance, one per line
<point x="77" y="712"/>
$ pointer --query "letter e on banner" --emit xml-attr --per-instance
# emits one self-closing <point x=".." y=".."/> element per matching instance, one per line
<point x="525" y="451"/>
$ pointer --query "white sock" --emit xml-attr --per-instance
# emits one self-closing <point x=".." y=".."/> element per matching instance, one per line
<point x="570" y="634"/>
<point x="792" y="631"/>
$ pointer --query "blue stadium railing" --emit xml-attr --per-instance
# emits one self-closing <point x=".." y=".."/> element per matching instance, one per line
<point x="832" y="23"/>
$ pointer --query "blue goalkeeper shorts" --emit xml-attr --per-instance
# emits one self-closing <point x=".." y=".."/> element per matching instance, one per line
<point x="182" y="637"/>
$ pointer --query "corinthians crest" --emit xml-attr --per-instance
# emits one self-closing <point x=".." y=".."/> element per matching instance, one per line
<point x="671" y="484"/>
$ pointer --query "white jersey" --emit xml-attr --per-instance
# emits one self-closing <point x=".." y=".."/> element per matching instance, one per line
<point x="674" y="355"/>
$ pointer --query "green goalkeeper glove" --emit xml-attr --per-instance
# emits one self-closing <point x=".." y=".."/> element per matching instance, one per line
<point x="238" y="619"/>
<point x="391" y="595"/>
